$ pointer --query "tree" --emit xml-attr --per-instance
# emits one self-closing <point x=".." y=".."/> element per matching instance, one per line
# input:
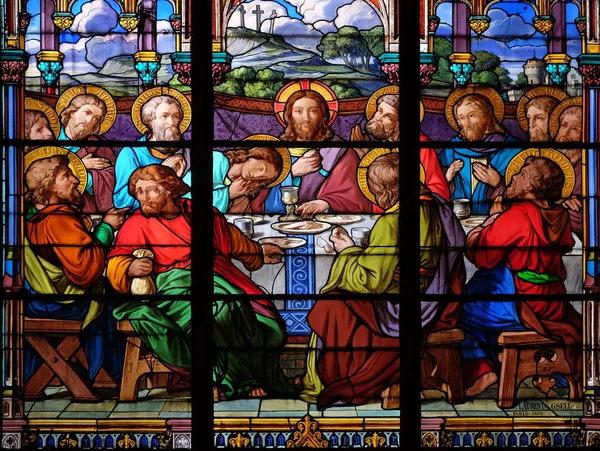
<point x="485" y="60"/>
<point x="443" y="74"/>
<point x="522" y="79"/>
<point x="442" y="47"/>
<point x="503" y="76"/>
<point x="347" y="44"/>
<point x="345" y="92"/>
<point x="241" y="74"/>
<point x="487" y="77"/>
<point x="374" y="39"/>
<point x="266" y="84"/>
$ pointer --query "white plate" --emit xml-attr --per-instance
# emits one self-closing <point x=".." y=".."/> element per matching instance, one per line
<point x="255" y="218"/>
<point x="338" y="219"/>
<point x="284" y="242"/>
<point x="474" y="221"/>
<point x="301" y="227"/>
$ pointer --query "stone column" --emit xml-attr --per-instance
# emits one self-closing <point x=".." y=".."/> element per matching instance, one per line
<point x="558" y="63"/>
<point x="221" y="60"/>
<point x="147" y="60"/>
<point x="181" y="59"/>
<point x="461" y="59"/>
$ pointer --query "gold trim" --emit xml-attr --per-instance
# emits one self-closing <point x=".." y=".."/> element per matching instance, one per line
<point x="422" y="175"/>
<point x="41" y="106"/>
<point x="553" y="124"/>
<point x="363" y="166"/>
<point x="49" y="56"/>
<point x="462" y="58"/>
<point x="546" y="91"/>
<point x="371" y="106"/>
<point x="325" y="424"/>
<point x="136" y="108"/>
<point x="147" y="56"/>
<point x="307" y="435"/>
<point x="319" y="87"/>
<point x="557" y="58"/>
<point x="485" y="91"/>
<point x="87" y="425"/>
<point x="517" y="423"/>
<point x="422" y="112"/>
<point x="283" y="151"/>
<point x="111" y="108"/>
<point x="515" y="165"/>
<point x="75" y="163"/>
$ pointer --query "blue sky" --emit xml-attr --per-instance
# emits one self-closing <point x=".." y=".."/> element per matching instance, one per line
<point x="291" y="10"/>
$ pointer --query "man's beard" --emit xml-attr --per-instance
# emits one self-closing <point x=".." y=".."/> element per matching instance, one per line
<point x="81" y="130"/>
<point x="536" y="134"/>
<point x="564" y="138"/>
<point x="376" y="129"/>
<point x="574" y="155"/>
<point x="152" y="208"/>
<point x="166" y="134"/>
<point x="73" y="197"/>
<point x="474" y="132"/>
<point x="512" y="192"/>
<point x="305" y="131"/>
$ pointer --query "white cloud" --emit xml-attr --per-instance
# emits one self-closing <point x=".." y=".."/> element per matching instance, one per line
<point x="32" y="46"/>
<point x="295" y="32"/>
<point x="165" y="37"/>
<point x="325" y="27"/>
<point x="96" y="18"/>
<point x="101" y="48"/>
<point x="504" y="27"/>
<point x="34" y="25"/>
<point x="357" y="14"/>
<point x="316" y="10"/>
<point x="75" y="62"/>
<point x="250" y="19"/>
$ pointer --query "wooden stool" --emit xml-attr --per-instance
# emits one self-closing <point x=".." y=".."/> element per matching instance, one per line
<point x="391" y="397"/>
<point x="137" y="365"/>
<point x="440" y="364"/>
<point x="59" y="362"/>
<point x="529" y="354"/>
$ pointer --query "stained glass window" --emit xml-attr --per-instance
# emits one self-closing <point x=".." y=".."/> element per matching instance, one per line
<point x="345" y="308"/>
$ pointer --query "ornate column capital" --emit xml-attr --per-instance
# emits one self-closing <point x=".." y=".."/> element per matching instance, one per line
<point x="390" y="65"/>
<point x="558" y="66"/>
<point x="462" y="65"/>
<point x="182" y="65"/>
<point x="24" y="20"/>
<point x="175" y="21"/>
<point x="221" y="64"/>
<point x="427" y="67"/>
<point x="49" y="62"/>
<point x="589" y="67"/>
<point x="479" y="24"/>
<point x="147" y="64"/>
<point x="63" y="20"/>
<point x="129" y="21"/>
<point x="13" y="64"/>
<point x="543" y="24"/>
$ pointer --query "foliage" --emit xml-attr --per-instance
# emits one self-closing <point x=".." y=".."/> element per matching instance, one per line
<point x="245" y="81"/>
<point x="486" y="77"/>
<point x="488" y="70"/>
<point x="442" y="47"/>
<point x="503" y="77"/>
<point x="350" y="46"/>
<point x="485" y="60"/>
<point x="521" y="79"/>
<point x="374" y="39"/>
<point x="345" y="92"/>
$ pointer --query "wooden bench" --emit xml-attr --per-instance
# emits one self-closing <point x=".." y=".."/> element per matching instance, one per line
<point x="139" y="362"/>
<point x="527" y="354"/>
<point x="441" y="364"/>
<point x="60" y="361"/>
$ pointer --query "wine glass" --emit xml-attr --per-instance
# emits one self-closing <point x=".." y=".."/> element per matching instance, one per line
<point x="289" y="196"/>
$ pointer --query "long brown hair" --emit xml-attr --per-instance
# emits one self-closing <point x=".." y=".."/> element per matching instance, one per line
<point x="486" y="108"/>
<point x="163" y="175"/>
<point x="324" y="132"/>
<point x="41" y="175"/>
<point x="383" y="178"/>
<point x="267" y="154"/>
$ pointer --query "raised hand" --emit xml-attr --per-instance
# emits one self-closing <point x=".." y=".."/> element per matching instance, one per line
<point x="140" y="267"/>
<point x="272" y="253"/>
<point x="453" y="169"/>
<point x="177" y="163"/>
<point x="486" y="174"/>
<point x="240" y="187"/>
<point x="573" y="203"/>
<point x="312" y="208"/>
<point x="96" y="163"/>
<point x="307" y="164"/>
<point x="115" y="217"/>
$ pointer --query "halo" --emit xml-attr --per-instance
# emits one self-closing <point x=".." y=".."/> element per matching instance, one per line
<point x="305" y="85"/>
<point x="75" y="163"/>
<point x="422" y="111"/>
<point x="136" y="108"/>
<point x="422" y="173"/>
<point x="515" y="165"/>
<point x="283" y="151"/>
<point x="371" y="106"/>
<point x="111" y="108"/>
<point x="553" y="124"/>
<point x="32" y="104"/>
<point x="485" y="91"/>
<point x="550" y="91"/>
<point x="361" y="174"/>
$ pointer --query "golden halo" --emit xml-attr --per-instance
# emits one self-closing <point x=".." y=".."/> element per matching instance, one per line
<point x="136" y="108"/>
<point x="553" y="124"/>
<point x="111" y="108"/>
<point x="305" y="85"/>
<point x="283" y="151"/>
<point x="75" y="163"/>
<point x="371" y="106"/>
<point x="540" y="91"/>
<point x="515" y="165"/>
<point x="41" y="106"/>
<point x="422" y="111"/>
<point x="361" y="175"/>
<point x="422" y="173"/>
<point x="485" y="91"/>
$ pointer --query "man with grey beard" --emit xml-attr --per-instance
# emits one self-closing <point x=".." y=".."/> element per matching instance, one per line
<point x="162" y="116"/>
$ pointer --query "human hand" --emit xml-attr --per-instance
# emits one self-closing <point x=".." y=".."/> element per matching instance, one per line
<point x="272" y="253"/>
<point x="498" y="206"/>
<point x="177" y="163"/>
<point x="115" y="217"/>
<point x="340" y="239"/>
<point x="91" y="162"/>
<point x="452" y="170"/>
<point x="140" y="267"/>
<point x="358" y="135"/>
<point x="307" y="164"/>
<point x="240" y="187"/>
<point x="573" y="203"/>
<point x="311" y="208"/>
<point x="486" y="174"/>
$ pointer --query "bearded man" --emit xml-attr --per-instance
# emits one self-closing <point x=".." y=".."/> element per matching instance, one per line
<point x="327" y="176"/>
<point x="471" y="172"/>
<point x="162" y="225"/>
<point x="80" y="120"/>
<point x="519" y="250"/>
<point x="63" y="257"/>
<point x="538" y="111"/>
<point x="162" y="116"/>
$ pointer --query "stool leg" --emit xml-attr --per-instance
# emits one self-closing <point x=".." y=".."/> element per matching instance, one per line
<point x="391" y="397"/>
<point x="131" y="371"/>
<point x="508" y="378"/>
<point x="157" y="380"/>
<point x="453" y="375"/>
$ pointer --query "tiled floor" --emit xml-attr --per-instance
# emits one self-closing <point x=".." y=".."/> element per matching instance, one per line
<point x="532" y="403"/>
<point x="155" y="403"/>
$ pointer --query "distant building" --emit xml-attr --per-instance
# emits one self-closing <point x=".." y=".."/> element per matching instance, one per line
<point x="535" y="71"/>
<point x="515" y="94"/>
<point x="574" y="87"/>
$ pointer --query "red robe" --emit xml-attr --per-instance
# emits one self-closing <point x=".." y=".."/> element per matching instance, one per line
<point x="434" y="177"/>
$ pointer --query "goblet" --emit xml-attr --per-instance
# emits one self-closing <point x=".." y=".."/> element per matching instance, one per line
<point x="289" y="196"/>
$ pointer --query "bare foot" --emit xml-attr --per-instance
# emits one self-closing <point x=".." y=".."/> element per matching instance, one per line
<point x="257" y="392"/>
<point x="483" y="382"/>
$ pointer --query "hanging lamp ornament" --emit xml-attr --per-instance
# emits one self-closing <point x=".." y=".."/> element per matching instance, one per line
<point x="63" y="20"/>
<point x="479" y="24"/>
<point x="129" y="21"/>
<point x="433" y="24"/>
<point x="543" y="24"/>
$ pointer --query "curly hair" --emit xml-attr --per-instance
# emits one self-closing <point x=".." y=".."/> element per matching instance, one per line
<point x="549" y="181"/>
<point x="31" y="118"/>
<point x="163" y="175"/>
<point x="78" y="102"/>
<point x="383" y="178"/>
<point x="267" y="154"/>
<point x="148" y="113"/>
<point x="41" y="175"/>
<point x="544" y="103"/>
<point x="324" y="132"/>
<point x="485" y="107"/>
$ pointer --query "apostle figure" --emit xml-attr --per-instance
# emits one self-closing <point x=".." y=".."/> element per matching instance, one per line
<point x="41" y="121"/>
<point x="326" y="176"/>
<point x="85" y="113"/>
<point x="238" y="175"/>
<point x="162" y="225"/>
<point x="519" y="250"/>
<point x="161" y="114"/>
<point x="249" y="334"/>
<point x="64" y="258"/>
<point x="534" y="110"/>
<point x="475" y="112"/>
